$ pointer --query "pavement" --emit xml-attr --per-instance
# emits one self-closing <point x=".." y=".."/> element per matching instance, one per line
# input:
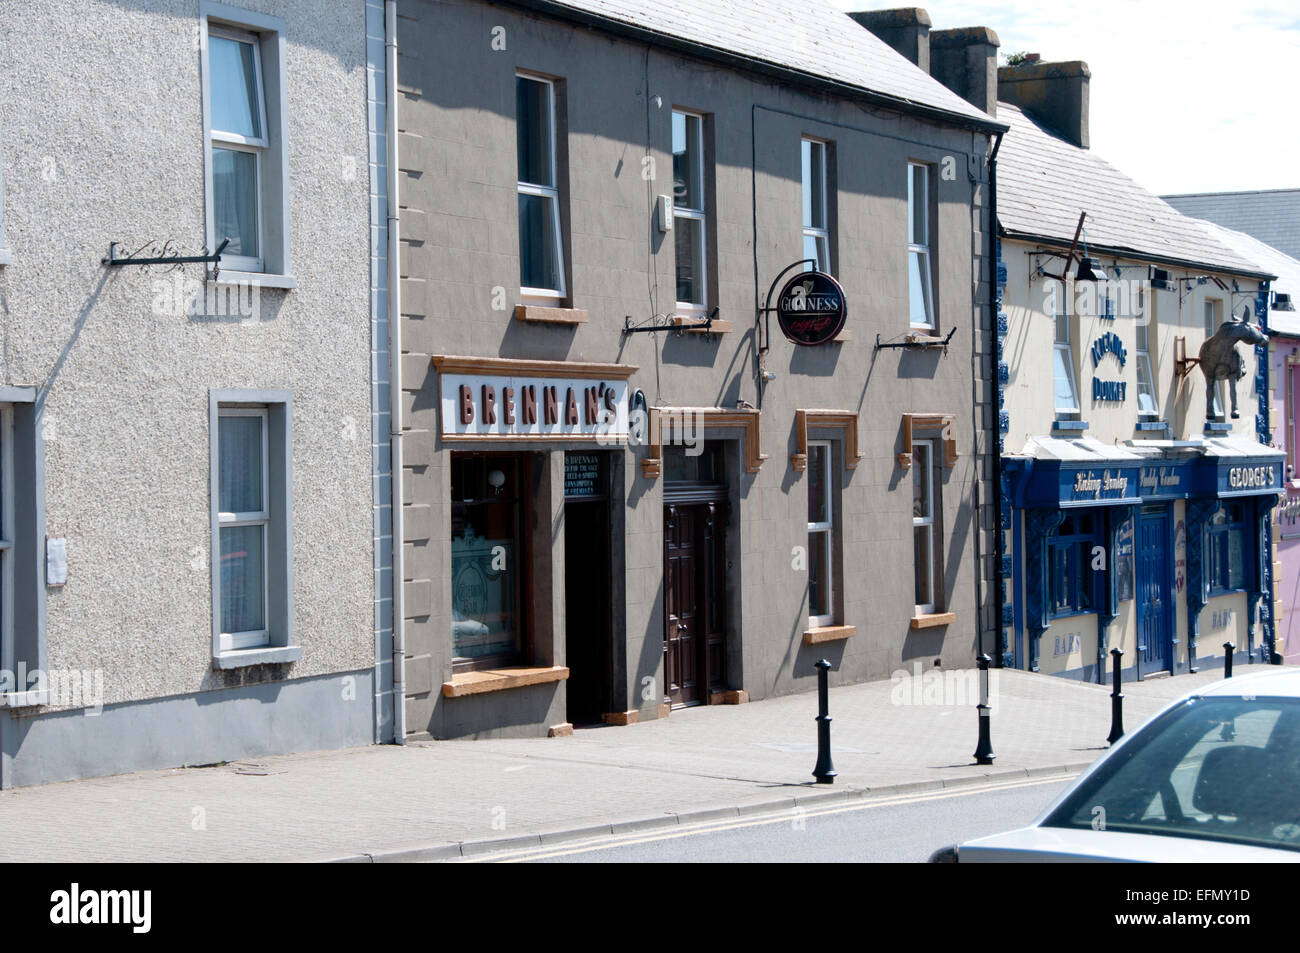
<point x="438" y="800"/>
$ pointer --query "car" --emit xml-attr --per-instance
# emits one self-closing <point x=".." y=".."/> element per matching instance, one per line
<point x="1214" y="776"/>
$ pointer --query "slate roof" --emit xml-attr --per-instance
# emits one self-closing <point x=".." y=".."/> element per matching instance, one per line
<point x="806" y="36"/>
<point x="1268" y="258"/>
<point x="1272" y="216"/>
<point x="1044" y="182"/>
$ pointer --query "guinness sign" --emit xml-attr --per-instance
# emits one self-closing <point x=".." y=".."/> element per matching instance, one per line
<point x="811" y="308"/>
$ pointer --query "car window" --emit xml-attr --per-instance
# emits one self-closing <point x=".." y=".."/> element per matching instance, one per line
<point x="1215" y="768"/>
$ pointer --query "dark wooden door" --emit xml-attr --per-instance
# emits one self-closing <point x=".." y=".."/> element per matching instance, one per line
<point x="681" y="606"/>
<point x="587" y="606"/>
<point x="1154" y="609"/>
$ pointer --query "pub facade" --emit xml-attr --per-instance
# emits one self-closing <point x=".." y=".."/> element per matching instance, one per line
<point x="1138" y="475"/>
<point x="689" y="313"/>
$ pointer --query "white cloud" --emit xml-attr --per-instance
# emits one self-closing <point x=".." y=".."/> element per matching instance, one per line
<point x="1191" y="96"/>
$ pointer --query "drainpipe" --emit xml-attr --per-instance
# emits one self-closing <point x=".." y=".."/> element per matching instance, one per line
<point x="999" y="550"/>
<point x="395" y="374"/>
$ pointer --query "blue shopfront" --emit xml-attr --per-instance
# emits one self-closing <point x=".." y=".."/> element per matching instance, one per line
<point x="1161" y="551"/>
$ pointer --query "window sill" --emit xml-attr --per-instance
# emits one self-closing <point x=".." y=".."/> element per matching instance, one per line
<point x="243" y="658"/>
<point x="829" y="633"/>
<point x="1069" y="426"/>
<point x="1216" y="593"/>
<point x="545" y="314"/>
<point x="501" y="679"/>
<point x="699" y="324"/>
<point x="1152" y="425"/>
<point x="24" y="699"/>
<point x="1213" y="426"/>
<point x="932" y="619"/>
<point x="6" y="256"/>
<point x="1072" y="615"/>
<point x="228" y="276"/>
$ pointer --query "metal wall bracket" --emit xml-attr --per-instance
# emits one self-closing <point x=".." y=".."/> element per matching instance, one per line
<point x="162" y="258"/>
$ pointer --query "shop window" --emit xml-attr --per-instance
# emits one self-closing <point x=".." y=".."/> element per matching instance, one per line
<point x="1070" y="576"/>
<point x="821" y="535"/>
<point x="920" y="274"/>
<point x="541" y="243"/>
<point x="690" y="217"/>
<point x="488" y="559"/>
<point x="1225" y="564"/>
<point x="816" y="203"/>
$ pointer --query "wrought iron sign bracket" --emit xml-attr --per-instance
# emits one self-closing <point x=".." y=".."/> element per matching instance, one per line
<point x="704" y="327"/>
<point x="918" y="342"/>
<point x="763" y="322"/>
<point x="114" y="260"/>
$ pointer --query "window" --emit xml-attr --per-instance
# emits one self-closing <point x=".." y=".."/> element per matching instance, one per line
<point x="252" y="537"/>
<point x="1213" y="316"/>
<point x="487" y="559"/>
<point x="821" y="542"/>
<point x="920" y="283"/>
<point x="1225" y="565"/>
<point x="22" y="536"/>
<point x="5" y="256"/>
<point x="925" y="507"/>
<point x="1067" y="395"/>
<point x="1148" y="405"/>
<point x="247" y="188"/>
<point x="816" y="219"/>
<point x="541" y="249"/>
<point x="1070" y="575"/>
<point x="690" y="222"/>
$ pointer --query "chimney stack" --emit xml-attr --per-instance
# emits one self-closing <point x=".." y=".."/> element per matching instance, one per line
<point x="1053" y="94"/>
<point x="966" y="61"/>
<point x="906" y="29"/>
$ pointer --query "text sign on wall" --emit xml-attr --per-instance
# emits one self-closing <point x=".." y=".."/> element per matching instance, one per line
<point x="582" y="476"/>
<point x="478" y="405"/>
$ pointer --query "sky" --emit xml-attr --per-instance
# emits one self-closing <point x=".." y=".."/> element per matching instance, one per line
<point x="1186" y="96"/>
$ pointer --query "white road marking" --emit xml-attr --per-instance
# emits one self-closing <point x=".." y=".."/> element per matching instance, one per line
<point x="710" y="827"/>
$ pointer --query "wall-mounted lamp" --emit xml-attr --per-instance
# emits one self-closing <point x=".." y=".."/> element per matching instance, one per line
<point x="1282" y="302"/>
<point x="496" y="480"/>
<point x="1159" y="279"/>
<point x="1090" y="270"/>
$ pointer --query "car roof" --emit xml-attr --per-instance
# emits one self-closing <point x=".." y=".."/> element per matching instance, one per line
<point x="1281" y="681"/>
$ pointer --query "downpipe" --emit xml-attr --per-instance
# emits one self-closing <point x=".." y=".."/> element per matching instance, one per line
<point x="395" y="375"/>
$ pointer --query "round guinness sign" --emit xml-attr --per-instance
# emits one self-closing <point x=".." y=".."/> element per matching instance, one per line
<point x="811" y="308"/>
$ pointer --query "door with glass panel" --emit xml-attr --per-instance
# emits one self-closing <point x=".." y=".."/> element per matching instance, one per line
<point x="1154" y="608"/>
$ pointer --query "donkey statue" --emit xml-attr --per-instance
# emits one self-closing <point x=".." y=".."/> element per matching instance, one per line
<point x="1219" y="360"/>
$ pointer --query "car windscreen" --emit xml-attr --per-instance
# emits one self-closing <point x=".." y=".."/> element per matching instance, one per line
<point x="1218" y="768"/>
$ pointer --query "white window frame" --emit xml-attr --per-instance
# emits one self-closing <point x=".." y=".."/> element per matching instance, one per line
<point x="551" y="296"/>
<point x="1142" y="355"/>
<point x="5" y="255"/>
<point x="821" y="236"/>
<point x="1213" y="306"/>
<point x="7" y="540"/>
<point x="925" y="522"/>
<point x="700" y="215"/>
<point x="1065" y="348"/>
<point x="919" y="248"/>
<point x="825" y="528"/>
<point x="259" y="637"/>
<point x="267" y="33"/>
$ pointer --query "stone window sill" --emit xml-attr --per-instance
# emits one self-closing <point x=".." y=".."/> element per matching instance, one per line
<point x="501" y="679"/>
<point x="243" y="658"/>
<point x="538" y="314"/>
<point x="829" y="633"/>
<point x="932" y="619"/>
<point x="6" y="256"/>
<point x="24" y="699"/>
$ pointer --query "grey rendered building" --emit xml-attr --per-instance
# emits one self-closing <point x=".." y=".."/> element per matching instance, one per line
<point x="605" y="522"/>
<point x="188" y="534"/>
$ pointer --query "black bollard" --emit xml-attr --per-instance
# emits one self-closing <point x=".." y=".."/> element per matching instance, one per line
<point x="825" y="771"/>
<point x="1227" y="659"/>
<point x="984" y="749"/>
<point x="1116" y="699"/>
